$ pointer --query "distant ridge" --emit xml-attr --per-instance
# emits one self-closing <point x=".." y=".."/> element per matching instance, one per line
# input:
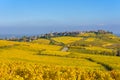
<point x="67" y="33"/>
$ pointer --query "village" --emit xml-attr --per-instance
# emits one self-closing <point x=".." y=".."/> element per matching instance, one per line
<point x="54" y="34"/>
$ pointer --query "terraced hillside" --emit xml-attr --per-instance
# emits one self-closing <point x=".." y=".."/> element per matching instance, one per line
<point x="89" y="56"/>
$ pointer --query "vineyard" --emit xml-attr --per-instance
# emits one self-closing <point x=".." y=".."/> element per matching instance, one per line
<point x="89" y="57"/>
<point x="27" y="71"/>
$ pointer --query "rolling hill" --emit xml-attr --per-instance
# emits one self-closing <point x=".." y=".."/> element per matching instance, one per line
<point x="89" y="56"/>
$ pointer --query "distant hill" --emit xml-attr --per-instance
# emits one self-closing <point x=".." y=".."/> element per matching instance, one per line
<point x="90" y="42"/>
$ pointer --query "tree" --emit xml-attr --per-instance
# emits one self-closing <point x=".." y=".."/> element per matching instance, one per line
<point x="118" y="52"/>
<point x="24" y="38"/>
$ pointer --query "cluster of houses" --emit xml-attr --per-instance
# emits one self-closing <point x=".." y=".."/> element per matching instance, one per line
<point x="55" y="34"/>
<point x="47" y="36"/>
<point x="23" y="39"/>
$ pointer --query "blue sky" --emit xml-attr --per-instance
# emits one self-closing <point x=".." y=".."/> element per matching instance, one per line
<point x="39" y="16"/>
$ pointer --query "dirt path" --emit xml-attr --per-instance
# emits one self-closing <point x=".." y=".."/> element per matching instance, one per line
<point x="65" y="49"/>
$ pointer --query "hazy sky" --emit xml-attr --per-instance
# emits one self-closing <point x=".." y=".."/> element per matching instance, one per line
<point x="39" y="16"/>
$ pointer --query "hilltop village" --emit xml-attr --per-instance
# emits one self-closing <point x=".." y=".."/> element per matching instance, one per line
<point x="55" y="34"/>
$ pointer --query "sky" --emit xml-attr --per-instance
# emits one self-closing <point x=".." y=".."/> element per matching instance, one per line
<point x="43" y="16"/>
